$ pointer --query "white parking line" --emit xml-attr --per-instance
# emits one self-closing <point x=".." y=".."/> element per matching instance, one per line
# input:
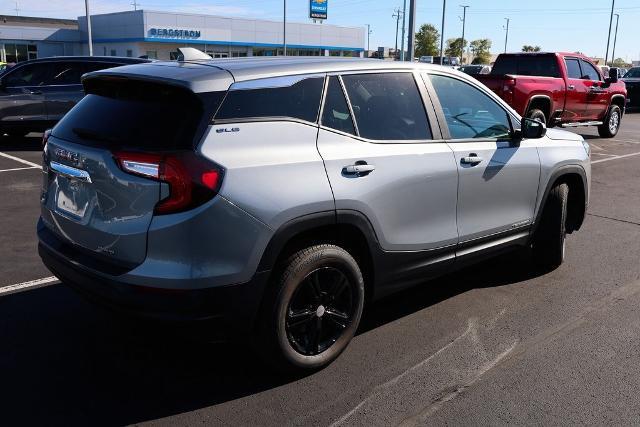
<point x="615" y="158"/>
<point x="19" y="160"/>
<point x="38" y="283"/>
<point x="18" y="169"/>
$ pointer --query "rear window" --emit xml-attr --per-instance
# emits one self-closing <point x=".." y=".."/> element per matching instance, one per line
<point x="125" y="113"/>
<point x="527" y="65"/>
<point x="300" y="100"/>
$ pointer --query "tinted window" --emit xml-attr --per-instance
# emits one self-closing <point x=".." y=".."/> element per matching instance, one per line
<point x="573" y="68"/>
<point x="387" y="106"/>
<point x="527" y="65"/>
<point x="135" y="114"/>
<point x="28" y="75"/>
<point x="300" y="100"/>
<point x="66" y="73"/>
<point x="336" y="114"/>
<point x="589" y="72"/>
<point x="633" y="73"/>
<point x="470" y="113"/>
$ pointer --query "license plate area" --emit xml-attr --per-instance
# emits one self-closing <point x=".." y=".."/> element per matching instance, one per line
<point x="72" y="197"/>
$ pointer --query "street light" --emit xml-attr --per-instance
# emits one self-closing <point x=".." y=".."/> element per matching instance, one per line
<point x="89" y="39"/>
<point x="284" y="27"/>
<point x="397" y="14"/>
<point x="412" y="29"/>
<point x="606" y="56"/>
<point x="444" y="9"/>
<point x="506" y="37"/>
<point x="464" y="20"/>
<point x="368" y="36"/>
<point x="404" y="14"/>
<point x="615" y="39"/>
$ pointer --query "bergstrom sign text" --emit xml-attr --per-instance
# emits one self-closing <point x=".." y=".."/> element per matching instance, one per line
<point x="173" y="33"/>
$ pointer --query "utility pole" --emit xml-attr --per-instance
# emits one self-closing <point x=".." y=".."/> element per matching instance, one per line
<point x="615" y="39"/>
<point x="412" y="29"/>
<point x="606" y="56"/>
<point x="404" y="14"/>
<point x="444" y="10"/>
<point x="464" y="21"/>
<point x="368" y="36"/>
<point x="17" y="10"/>
<point x="506" y="37"/>
<point x="135" y="5"/>
<point x="284" y="27"/>
<point x="397" y="15"/>
<point x="89" y="38"/>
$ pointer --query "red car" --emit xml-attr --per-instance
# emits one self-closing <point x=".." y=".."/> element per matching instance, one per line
<point x="565" y="89"/>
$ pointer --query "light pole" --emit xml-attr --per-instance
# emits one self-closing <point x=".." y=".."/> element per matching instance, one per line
<point x="615" y="39"/>
<point x="368" y="36"/>
<point x="464" y="21"/>
<point x="284" y="27"/>
<point x="506" y="37"/>
<point x="89" y="39"/>
<point x="412" y="29"/>
<point x="606" y="56"/>
<point x="397" y="15"/>
<point x="404" y="14"/>
<point x="444" y="9"/>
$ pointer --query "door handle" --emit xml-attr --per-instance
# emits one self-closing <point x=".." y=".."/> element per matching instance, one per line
<point x="571" y="87"/>
<point x="359" y="169"/>
<point x="471" y="159"/>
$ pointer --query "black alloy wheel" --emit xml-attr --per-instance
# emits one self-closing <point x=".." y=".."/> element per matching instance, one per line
<point x="320" y="310"/>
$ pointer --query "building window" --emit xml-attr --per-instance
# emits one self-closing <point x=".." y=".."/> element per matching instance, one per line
<point x="20" y="52"/>
<point x="152" y="54"/>
<point x="173" y="56"/>
<point x="113" y="52"/>
<point x="129" y="53"/>
<point x="238" y="54"/>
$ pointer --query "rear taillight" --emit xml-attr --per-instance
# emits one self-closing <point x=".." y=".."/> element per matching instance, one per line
<point x="508" y="89"/>
<point x="192" y="180"/>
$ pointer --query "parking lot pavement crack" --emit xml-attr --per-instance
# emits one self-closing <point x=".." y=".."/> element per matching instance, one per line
<point x="614" y="219"/>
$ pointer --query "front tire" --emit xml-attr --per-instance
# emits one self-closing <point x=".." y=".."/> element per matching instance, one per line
<point x="611" y="125"/>
<point x="549" y="241"/>
<point x="537" y="114"/>
<point x="314" y="310"/>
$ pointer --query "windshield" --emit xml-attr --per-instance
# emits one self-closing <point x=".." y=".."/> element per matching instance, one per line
<point x="633" y="73"/>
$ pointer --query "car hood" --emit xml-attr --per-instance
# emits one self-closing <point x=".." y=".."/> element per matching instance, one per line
<point x="563" y="135"/>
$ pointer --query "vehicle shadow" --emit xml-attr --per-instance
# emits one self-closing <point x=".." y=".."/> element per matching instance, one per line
<point x="65" y="362"/>
<point x="31" y="142"/>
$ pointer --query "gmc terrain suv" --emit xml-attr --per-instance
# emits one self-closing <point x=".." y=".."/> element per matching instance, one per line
<point x="277" y="195"/>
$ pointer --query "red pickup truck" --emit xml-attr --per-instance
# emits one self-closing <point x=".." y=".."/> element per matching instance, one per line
<point x="564" y="89"/>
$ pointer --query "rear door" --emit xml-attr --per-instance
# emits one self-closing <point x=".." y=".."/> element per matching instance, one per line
<point x="390" y="163"/>
<point x="498" y="182"/>
<point x="22" y="96"/>
<point x="88" y="202"/>
<point x="577" y="91"/>
<point x="63" y="90"/>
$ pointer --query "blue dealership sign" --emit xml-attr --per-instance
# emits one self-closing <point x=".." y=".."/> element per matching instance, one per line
<point x="318" y="9"/>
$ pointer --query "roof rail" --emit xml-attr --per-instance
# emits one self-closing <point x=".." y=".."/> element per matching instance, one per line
<point x="192" y="54"/>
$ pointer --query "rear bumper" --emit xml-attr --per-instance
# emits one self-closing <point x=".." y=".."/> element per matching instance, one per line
<point x="234" y="307"/>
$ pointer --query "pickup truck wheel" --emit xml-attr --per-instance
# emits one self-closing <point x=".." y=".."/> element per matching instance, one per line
<point x="611" y="125"/>
<point x="537" y="115"/>
<point x="313" y="310"/>
<point x="549" y="241"/>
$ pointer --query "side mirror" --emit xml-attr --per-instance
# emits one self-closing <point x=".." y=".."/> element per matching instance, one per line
<point x="532" y="129"/>
<point x="613" y="75"/>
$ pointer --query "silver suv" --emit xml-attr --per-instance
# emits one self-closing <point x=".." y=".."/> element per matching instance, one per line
<point x="276" y="196"/>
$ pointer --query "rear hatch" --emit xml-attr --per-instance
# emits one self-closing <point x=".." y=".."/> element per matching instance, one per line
<point x="99" y="195"/>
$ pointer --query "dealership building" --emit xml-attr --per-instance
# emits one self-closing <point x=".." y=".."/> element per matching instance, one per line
<point x="158" y="35"/>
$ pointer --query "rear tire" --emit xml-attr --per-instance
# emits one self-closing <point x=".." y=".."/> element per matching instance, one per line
<point x="549" y="241"/>
<point x="611" y="125"/>
<point x="537" y="114"/>
<point x="314" y="310"/>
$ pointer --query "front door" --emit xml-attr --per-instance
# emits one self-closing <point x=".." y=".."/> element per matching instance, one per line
<point x="499" y="177"/>
<point x="598" y="96"/>
<point x="385" y="164"/>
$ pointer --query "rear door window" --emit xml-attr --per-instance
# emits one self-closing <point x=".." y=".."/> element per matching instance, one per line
<point x="387" y="106"/>
<point x="289" y="97"/>
<point x="66" y="73"/>
<point x="336" y="114"/>
<point x="573" y="68"/>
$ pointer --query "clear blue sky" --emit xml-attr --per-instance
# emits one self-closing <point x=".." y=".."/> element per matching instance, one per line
<point x="567" y="25"/>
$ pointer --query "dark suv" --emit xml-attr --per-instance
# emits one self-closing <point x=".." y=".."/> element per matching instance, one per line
<point x="34" y="95"/>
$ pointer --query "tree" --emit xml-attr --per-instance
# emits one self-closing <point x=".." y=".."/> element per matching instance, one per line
<point x="481" y="50"/>
<point x="620" y="63"/>
<point x="527" y="48"/>
<point x="427" y="41"/>
<point x="455" y="47"/>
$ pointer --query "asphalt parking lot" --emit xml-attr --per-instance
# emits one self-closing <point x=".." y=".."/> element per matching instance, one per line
<point x="491" y="345"/>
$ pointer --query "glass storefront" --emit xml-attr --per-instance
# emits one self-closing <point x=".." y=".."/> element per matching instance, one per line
<point x="18" y="52"/>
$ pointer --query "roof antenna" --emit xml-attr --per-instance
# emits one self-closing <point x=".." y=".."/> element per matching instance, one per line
<point x="191" y="54"/>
